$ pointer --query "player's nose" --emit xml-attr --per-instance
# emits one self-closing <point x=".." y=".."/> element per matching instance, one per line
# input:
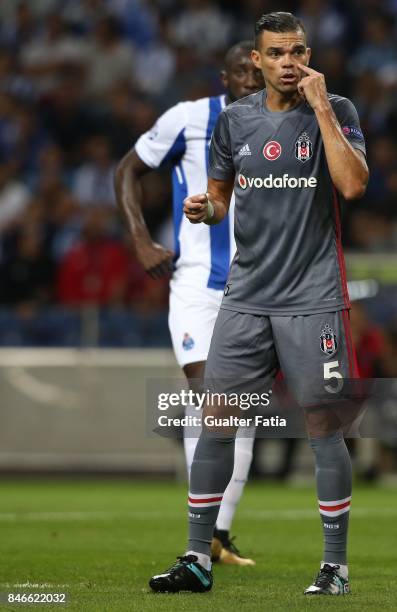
<point x="288" y="61"/>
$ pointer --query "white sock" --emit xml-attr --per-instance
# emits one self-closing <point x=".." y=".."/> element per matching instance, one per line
<point x="204" y="560"/>
<point x="234" y="491"/>
<point x="342" y="571"/>
<point x="190" y="437"/>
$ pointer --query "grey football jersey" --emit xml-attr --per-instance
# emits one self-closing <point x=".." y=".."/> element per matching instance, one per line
<point x="289" y="257"/>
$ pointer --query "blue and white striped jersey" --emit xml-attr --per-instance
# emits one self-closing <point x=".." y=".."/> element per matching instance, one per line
<point x="182" y="137"/>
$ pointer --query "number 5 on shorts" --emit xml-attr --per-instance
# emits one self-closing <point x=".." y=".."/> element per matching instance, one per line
<point x="329" y="372"/>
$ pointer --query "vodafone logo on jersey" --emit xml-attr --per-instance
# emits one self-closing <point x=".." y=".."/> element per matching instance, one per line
<point x="272" y="150"/>
<point x="276" y="182"/>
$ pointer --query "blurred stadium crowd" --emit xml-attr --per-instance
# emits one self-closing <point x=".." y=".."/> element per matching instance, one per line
<point x="80" y="80"/>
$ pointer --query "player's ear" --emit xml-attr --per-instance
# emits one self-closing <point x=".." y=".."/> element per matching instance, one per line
<point x="256" y="58"/>
<point x="224" y="79"/>
<point x="309" y="54"/>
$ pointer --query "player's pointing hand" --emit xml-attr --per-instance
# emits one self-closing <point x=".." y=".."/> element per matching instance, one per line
<point x="312" y="87"/>
<point x="196" y="208"/>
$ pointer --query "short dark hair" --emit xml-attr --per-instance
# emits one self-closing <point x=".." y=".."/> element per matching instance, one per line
<point x="244" y="45"/>
<point x="277" y="22"/>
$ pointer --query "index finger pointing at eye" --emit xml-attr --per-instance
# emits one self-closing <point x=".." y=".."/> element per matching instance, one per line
<point x="307" y="69"/>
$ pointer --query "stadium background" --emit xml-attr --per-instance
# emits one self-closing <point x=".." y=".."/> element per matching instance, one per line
<point x="81" y="326"/>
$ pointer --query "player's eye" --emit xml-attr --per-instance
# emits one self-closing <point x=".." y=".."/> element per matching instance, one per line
<point x="274" y="53"/>
<point x="299" y="51"/>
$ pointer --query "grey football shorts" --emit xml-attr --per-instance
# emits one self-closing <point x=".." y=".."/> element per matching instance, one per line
<point x="314" y="352"/>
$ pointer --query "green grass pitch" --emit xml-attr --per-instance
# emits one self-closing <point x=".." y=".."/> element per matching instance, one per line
<point x="100" y="541"/>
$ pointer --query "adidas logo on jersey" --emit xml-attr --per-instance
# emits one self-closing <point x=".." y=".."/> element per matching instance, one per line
<point x="245" y="150"/>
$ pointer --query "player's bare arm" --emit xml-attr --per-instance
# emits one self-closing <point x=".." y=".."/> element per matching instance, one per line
<point x="211" y="207"/>
<point x="155" y="259"/>
<point x="347" y="165"/>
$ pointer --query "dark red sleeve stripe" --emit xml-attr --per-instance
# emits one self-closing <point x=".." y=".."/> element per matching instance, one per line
<point x="341" y="259"/>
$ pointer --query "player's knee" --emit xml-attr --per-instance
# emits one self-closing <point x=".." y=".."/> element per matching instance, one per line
<point x="332" y="438"/>
<point x="220" y="418"/>
<point x="322" y="423"/>
<point x="194" y="373"/>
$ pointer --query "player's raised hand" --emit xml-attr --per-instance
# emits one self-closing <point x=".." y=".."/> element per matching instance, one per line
<point x="196" y="208"/>
<point x="156" y="260"/>
<point x="312" y="87"/>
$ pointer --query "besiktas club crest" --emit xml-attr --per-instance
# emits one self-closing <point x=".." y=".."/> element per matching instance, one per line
<point x="303" y="148"/>
<point x="328" y="342"/>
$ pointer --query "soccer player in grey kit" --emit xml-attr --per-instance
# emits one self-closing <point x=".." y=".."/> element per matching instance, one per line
<point x="289" y="152"/>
